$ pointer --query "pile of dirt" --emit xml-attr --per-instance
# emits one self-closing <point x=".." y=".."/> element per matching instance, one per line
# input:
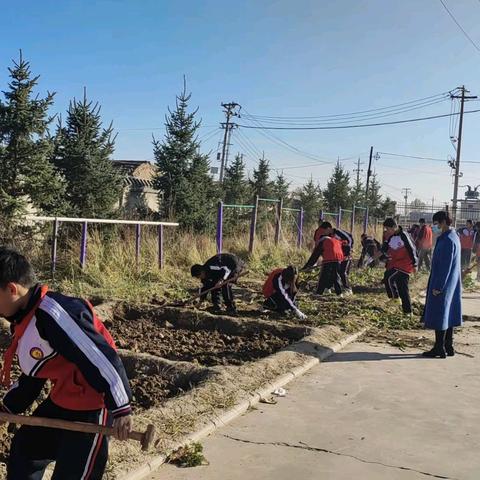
<point x="205" y="347"/>
<point x="151" y="390"/>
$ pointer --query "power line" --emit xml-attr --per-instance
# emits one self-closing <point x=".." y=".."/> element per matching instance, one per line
<point x="423" y="158"/>
<point x="443" y="94"/>
<point x="372" y="116"/>
<point x="468" y="37"/>
<point x="336" y="127"/>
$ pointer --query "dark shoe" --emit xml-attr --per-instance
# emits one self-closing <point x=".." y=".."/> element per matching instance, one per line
<point x="450" y="352"/>
<point x="232" y="311"/>
<point x="215" y="309"/>
<point x="435" y="353"/>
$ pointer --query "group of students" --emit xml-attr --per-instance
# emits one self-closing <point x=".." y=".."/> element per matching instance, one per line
<point x="403" y="252"/>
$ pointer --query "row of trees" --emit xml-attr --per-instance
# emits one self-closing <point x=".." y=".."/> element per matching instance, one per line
<point x="188" y="193"/>
<point x="53" y="169"/>
<point x="65" y="167"/>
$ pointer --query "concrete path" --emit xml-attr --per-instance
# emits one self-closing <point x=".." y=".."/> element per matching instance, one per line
<point x="371" y="412"/>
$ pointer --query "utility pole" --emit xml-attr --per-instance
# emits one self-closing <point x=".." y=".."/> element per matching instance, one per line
<point x="407" y="191"/>
<point x="369" y="173"/>
<point x="462" y="98"/>
<point x="230" y="110"/>
<point x="358" y="170"/>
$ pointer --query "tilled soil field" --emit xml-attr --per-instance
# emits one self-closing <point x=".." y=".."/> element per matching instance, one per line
<point x="205" y="347"/>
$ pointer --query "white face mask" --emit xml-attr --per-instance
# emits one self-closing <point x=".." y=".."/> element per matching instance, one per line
<point x="436" y="229"/>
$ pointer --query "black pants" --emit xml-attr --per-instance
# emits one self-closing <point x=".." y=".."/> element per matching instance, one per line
<point x="227" y="294"/>
<point x="424" y="257"/>
<point x="466" y="258"/>
<point x="444" y="339"/>
<point x="330" y="277"/>
<point x="344" y="271"/>
<point x="77" y="455"/>
<point x="396" y="285"/>
<point x="278" y="303"/>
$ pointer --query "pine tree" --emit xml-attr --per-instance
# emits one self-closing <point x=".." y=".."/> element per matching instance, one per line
<point x="374" y="199"/>
<point x="337" y="192"/>
<point x="311" y="199"/>
<point x="186" y="189"/>
<point x="357" y="194"/>
<point x="174" y="155"/>
<point x="387" y="208"/>
<point x="82" y="153"/>
<point x="27" y="176"/>
<point x="196" y="200"/>
<point x="281" y="188"/>
<point x="235" y="185"/>
<point x="261" y="184"/>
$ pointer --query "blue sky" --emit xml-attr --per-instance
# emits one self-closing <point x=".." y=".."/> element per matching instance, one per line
<point x="281" y="58"/>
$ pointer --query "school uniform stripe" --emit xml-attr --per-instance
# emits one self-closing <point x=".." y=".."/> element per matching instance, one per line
<point x="87" y="347"/>
<point x="97" y="440"/>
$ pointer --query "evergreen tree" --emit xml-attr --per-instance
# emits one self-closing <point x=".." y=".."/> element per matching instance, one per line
<point x="235" y="185"/>
<point x="27" y="176"/>
<point x="337" y="193"/>
<point x="82" y="153"/>
<point x="387" y="208"/>
<point x="261" y="184"/>
<point x="196" y="200"/>
<point x="281" y="188"/>
<point x="374" y="199"/>
<point x="186" y="189"/>
<point x="310" y="196"/>
<point x="357" y="194"/>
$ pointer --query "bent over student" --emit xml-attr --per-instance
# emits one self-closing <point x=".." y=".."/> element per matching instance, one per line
<point x="401" y="261"/>
<point x="280" y="290"/>
<point x="60" y="339"/>
<point x="330" y="249"/>
<point x="215" y="271"/>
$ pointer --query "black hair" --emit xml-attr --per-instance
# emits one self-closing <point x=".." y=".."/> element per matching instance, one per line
<point x="15" y="268"/>
<point x="390" y="223"/>
<point x="290" y="273"/>
<point x="470" y="222"/>
<point x="326" y="225"/>
<point x="196" y="270"/>
<point x="422" y="220"/>
<point x="442" y="216"/>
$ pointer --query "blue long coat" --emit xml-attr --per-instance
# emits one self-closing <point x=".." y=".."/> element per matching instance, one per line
<point x="445" y="310"/>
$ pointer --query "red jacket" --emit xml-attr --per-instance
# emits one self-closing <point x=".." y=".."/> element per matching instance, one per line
<point x="466" y="238"/>
<point x="400" y="252"/>
<point x="60" y="339"/>
<point x="330" y="249"/>
<point x="269" y="287"/>
<point x="425" y="237"/>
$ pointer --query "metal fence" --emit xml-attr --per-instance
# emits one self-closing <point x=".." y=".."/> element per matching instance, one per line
<point x="409" y="214"/>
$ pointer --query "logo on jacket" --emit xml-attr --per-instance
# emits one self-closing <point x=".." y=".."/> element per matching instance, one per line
<point x="36" y="353"/>
<point x="396" y="243"/>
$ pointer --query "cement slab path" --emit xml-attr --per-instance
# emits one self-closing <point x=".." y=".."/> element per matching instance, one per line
<point x="371" y="412"/>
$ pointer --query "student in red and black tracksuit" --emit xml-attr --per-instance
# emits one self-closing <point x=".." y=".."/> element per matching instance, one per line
<point x="424" y="244"/>
<point x="216" y="270"/>
<point x="59" y="338"/>
<point x="280" y="290"/>
<point x="401" y="257"/>
<point x="370" y="248"/>
<point x="330" y="249"/>
<point x="467" y="236"/>
<point x="413" y="231"/>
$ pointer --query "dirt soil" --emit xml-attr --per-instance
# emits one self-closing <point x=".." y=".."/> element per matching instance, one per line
<point x="151" y="390"/>
<point x="205" y="347"/>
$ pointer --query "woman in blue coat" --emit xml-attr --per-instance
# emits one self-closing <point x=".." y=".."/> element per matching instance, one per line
<point x="443" y="307"/>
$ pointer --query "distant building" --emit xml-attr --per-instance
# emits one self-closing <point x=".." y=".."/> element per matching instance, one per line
<point x="469" y="207"/>
<point x="138" y="190"/>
